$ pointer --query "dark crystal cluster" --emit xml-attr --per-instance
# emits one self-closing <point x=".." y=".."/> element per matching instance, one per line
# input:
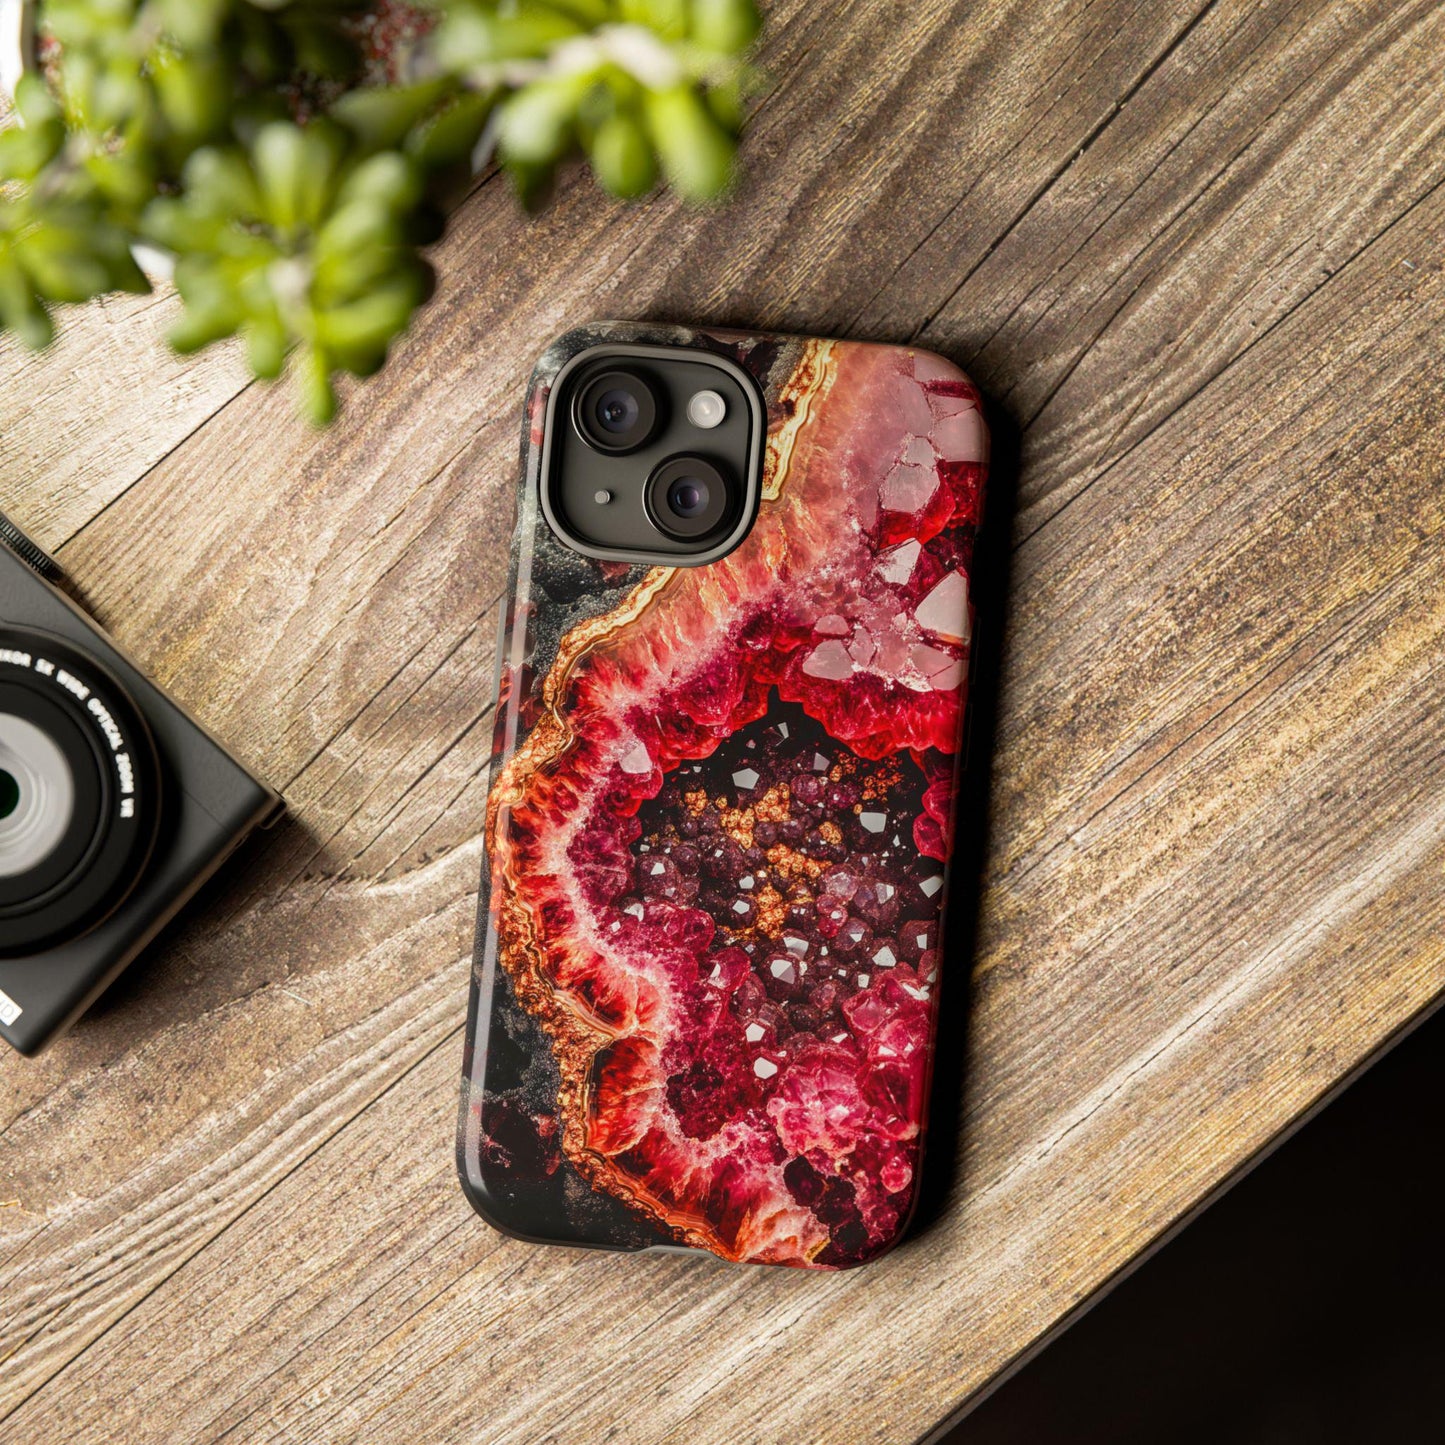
<point x="802" y="854"/>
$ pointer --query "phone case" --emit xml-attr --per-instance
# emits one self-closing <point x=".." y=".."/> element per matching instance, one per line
<point x="719" y="817"/>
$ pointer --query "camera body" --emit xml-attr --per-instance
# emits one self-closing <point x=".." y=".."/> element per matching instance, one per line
<point x="115" y="806"/>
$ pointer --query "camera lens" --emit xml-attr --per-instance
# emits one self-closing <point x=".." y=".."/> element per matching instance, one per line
<point x="37" y="795"/>
<point x="79" y="792"/>
<point x="616" y="412"/>
<point x="689" y="499"/>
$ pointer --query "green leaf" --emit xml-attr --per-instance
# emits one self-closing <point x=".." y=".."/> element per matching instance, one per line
<point x="381" y="116"/>
<point x="61" y="271"/>
<point x="450" y="136"/>
<point x="621" y="156"/>
<point x="475" y="35"/>
<point x="696" y="152"/>
<point x="266" y="346"/>
<point x="197" y="329"/>
<point x="358" y="335"/>
<point x="21" y="311"/>
<point x="25" y="150"/>
<point x="667" y="17"/>
<point x="33" y="101"/>
<point x="531" y="183"/>
<point x="296" y="170"/>
<point x="355" y="242"/>
<point x="727" y="100"/>
<point x="535" y="126"/>
<point x="125" y="177"/>
<point x="728" y="27"/>
<point x="220" y="182"/>
<point x="389" y="179"/>
<point x="192" y="91"/>
<point x="588" y="14"/>
<point x="195" y="24"/>
<point x="318" y="396"/>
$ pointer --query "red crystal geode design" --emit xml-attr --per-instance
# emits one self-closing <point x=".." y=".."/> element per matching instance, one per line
<point x="720" y="823"/>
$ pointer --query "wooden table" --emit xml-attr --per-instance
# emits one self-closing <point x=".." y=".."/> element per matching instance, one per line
<point x="1192" y="250"/>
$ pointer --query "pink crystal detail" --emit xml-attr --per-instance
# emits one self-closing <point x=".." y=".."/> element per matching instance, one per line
<point x="945" y="610"/>
<point x="908" y="487"/>
<point x="830" y="661"/>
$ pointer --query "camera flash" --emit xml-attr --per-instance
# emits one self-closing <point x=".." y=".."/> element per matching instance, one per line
<point x="706" y="410"/>
<point x="601" y="497"/>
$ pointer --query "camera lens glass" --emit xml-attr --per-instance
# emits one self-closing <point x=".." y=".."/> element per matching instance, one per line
<point x="79" y="792"/>
<point x="689" y="499"/>
<point x="37" y="796"/>
<point x="616" y="411"/>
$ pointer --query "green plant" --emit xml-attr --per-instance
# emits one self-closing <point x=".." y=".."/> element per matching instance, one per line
<point x="287" y="155"/>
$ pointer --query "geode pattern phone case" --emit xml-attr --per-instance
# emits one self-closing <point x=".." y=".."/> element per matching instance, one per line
<point x="719" y="817"/>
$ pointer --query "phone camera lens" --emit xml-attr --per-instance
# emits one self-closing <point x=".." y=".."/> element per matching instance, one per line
<point x="689" y="499"/>
<point x="616" y="412"/>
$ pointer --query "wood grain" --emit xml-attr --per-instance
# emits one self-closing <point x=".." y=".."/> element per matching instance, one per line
<point x="113" y="402"/>
<point x="1193" y="249"/>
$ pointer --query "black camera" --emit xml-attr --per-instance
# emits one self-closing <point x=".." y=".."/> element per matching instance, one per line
<point x="115" y="807"/>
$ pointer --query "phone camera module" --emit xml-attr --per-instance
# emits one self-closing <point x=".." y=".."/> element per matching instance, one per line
<point x="651" y="454"/>
<point x="689" y="498"/>
<point x="616" y="412"/>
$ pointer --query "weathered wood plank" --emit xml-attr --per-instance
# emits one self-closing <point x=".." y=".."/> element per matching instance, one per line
<point x="1262" y="154"/>
<point x="86" y="418"/>
<point x="1210" y="891"/>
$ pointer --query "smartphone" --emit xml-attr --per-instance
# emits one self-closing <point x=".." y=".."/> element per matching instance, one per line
<point x="732" y="683"/>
